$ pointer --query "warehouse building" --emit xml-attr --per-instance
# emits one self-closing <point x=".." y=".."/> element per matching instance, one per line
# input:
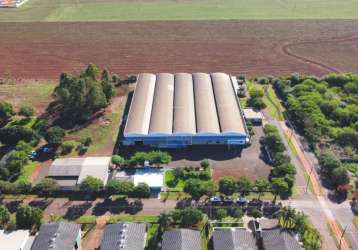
<point x="177" y="110"/>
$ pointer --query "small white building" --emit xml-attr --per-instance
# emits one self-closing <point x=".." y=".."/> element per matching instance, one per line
<point x="154" y="177"/>
<point x="14" y="240"/>
<point x="253" y="116"/>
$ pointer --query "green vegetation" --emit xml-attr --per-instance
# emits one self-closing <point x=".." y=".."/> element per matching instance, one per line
<point x="326" y="110"/>
<point x="28" y="217"/>
<point x="86" y="219"/>
<point x="355" y="221"/>
<point x="297" y="221"/>
<point x="171" y="181"/>
<point x="132" y="218"/>
<point x="108" y="10"/>
<point x="27" y="171"/>
<point x="91" y="185"/>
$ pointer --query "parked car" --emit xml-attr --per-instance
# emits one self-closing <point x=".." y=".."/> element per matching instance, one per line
<point x="215" y="201"/>
<point x="241" y="201"/>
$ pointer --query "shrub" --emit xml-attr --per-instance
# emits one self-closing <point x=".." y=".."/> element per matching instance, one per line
<point x="26" y="111"/>
<point x="118" y="160"/>
<point x="91" y="185"/>
<point x="220" y="213"/>
<point x="28" y="217"/>
<point x="205" y="163"/>
<point x="142" y="190"/>
<point x="54" y="135"/>
<point x="86" y="141"/>
<point x="67" y="147"/>
<point x="46" y="186"/>
<point x="120" y="187"/>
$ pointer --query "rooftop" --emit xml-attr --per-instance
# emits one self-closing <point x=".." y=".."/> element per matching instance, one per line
<point x="124" y="235"/>
<point x="233" y="239"/>
<point x="181" y="239"/>
<point x="279" y="239"/>
<point x="56" y="236"/>
<point x="151" y="176"/>
<point x="13" y="240"/>
<point x="184" y="103"/>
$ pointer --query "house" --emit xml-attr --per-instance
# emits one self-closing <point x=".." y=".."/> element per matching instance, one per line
<point x="124" y="236"/>
<point x="279" y="239"/>
<point x="233" y="239"/>
<point x="70" y="172"/>
<point x="181" y="239"/>
<point x="253" y="116"/>
<point x="58" y="236"/>
<point x="15" y="240"/>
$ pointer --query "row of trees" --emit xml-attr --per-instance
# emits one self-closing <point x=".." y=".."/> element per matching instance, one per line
<point x="7" y="112"/>
<point x="138" y="159"/>
<point x="282" y="176"/>
<point x="27" y="217"/>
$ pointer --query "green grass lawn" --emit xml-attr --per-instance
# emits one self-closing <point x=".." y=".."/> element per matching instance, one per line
<point x="126" y="10"/>
<point x="133" y="218"/>
<point x="169" y="176"/>
<point x="27" y="171"/>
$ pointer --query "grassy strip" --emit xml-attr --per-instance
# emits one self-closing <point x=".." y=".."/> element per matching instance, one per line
<point x="274" y="106"/>
<point x="310" y="186"/>
<point x="152" y="237"/>
<point x="86" y="219"/>
<point x="291" y="145"/>
<point x="133" y="218"/>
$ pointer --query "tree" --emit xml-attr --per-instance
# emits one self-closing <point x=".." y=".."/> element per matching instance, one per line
<point x="227" y="185"/>
<point x="4" y="173"/>
<point x="205" y="163"/>
<point x="197" y="188"/>
<point x="158" y="157"/>
<point x="286" y="214"/>
<point x="24" y="147"/>
<point x="28" y="217"/>
<point x="256" y="213"/>
<point x="282" y="170"/>
<point x="340" y="176"/>
<point x="262" y="185"/>
<point x="12" y="135"/>
<point x="256" y="103"/>
<point x="244" y="185"/>
<point x="26" y="111"/>
<point x="54" y="135"/>
<point x="92" y="71"/>
<point x="46" y="186"/>
<point x="190" y="216"/>
<point x="118" y="160"/>
<point x="142" y="190"/>
<point x="165" y="220"/>
<point x="279" y="187"/>
<point x="6" y="112"/>
<point x="91" y="185"/>
<point x="280" y="158"/>
<point x="16" y="160"/>
<point x="220" y="213"/>
<point x="23" y="186"/>
<point x="119" y="187"/>
<point x="328" y="162"/>
<point x="67" y="147"/>
<point x="273" y="143"/>
<point x="4" y="216"/>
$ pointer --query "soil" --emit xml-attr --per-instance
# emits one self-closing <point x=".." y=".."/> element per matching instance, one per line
<point x="44" y="50"/>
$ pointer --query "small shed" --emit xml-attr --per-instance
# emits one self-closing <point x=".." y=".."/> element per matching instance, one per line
<point x="253" y="116"/>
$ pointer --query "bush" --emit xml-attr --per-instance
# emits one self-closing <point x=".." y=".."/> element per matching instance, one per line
<point x="23" y="187"/>
<point x="220" y="213"/>
<point x="67" y="147"/>
<point x="142" y="190"/>
<point x="227" y="185"/>
<point x="26" y="111"/>
<point x="117" y="160"/>
<point x="187" y="216"/>
<point x="205" y="163"/>
<point x="91" y="185"/>
<point x="12" y="135"/>
<point x="46" y="186"/>
<point x="86" y="141"/>
<point x="256" y="213"/>
<point x="120" y="187"/>
<point x="6" y="112"/>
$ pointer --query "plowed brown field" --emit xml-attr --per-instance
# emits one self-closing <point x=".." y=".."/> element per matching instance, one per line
<point x="44" y="50"/>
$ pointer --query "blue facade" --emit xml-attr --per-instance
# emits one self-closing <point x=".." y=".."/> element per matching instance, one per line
<point x="175" y="141"/>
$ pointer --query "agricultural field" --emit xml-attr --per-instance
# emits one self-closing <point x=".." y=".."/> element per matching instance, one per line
<point x="254" y="48"/>
<point x="143" y="10"/>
